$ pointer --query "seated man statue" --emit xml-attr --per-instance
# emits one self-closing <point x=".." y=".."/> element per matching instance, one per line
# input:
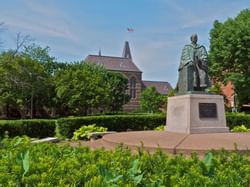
<point x="193" y="68"/>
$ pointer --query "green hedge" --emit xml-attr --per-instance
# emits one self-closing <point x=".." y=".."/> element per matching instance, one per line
<point x="66" y="126"/>
<point x="32" y="128"/>
<point x="237" y="119"/>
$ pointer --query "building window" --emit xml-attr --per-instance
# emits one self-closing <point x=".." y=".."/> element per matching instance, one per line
<point x="132" y="87"/>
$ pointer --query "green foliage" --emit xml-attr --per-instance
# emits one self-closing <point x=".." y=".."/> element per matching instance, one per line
<point x="150" y="100"/>
<point x="229" y="53"/>
<point x="31" y="128"/>
<point x="209" y="165"/>
<point x="41" y="55"/>
<point x="84" y="87"/>
<point x="52" y="165"/>
<point x="160" y="128"/>
<point x="66" y="126"/>
<point x="171" y="93"/>
<point x="216" y="89"/>
<point x="234" y="119"/>
<point x="117" y="96"/>
<point x="33" y="84"/>
<point x="22" y="158"/>
<point x="84" y="132"/>
<point x="23" y="83"/>
<point x="241" y="128"/>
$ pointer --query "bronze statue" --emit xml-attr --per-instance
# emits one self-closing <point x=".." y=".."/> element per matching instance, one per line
<point x="193" y="68"/>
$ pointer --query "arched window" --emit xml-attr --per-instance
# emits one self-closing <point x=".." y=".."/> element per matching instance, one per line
<point x="132" y="87"/>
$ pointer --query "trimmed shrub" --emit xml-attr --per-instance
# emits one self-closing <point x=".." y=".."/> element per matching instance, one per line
<point x="38" y="128"/>
<point x="66" y="126"/>
<point x="237" y="119"/>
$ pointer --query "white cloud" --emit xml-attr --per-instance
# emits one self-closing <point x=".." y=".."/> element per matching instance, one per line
<point x="39" y="20"/>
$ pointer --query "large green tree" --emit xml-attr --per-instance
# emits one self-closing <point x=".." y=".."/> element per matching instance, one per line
<point x="85" y="87"/>
<point x="51" y="66"/>
<point x="23" y="82"/>
<point x="230" y="53"/>
<point x="151" y="100"/>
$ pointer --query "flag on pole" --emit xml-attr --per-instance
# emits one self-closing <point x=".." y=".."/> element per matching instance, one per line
<point x="130" y="30"/>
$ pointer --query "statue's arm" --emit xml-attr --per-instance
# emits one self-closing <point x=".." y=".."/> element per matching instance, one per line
<point x="203" y="58"/>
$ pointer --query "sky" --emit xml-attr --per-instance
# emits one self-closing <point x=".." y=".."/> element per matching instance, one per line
<point x="73" y="29"/>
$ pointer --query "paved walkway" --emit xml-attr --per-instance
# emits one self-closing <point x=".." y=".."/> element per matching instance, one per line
<point x="174" y="143"/>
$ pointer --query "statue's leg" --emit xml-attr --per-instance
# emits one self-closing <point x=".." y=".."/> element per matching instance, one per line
<point x="186" y="79"/>
<point x="190" y="78"/>
<point x="203" y="79"/>
<point x="183" y="82"/>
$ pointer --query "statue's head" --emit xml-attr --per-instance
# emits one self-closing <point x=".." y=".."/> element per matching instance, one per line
<point x="194" y="38"/>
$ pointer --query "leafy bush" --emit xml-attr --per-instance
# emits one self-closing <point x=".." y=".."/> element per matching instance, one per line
<point x="241" y="128"/>
<point x="31" y="128"/>
<point x="84" y="132"/>
<point x="66" y="126"/>
<point x="234" y="119"/>
<point x="25" y="164"/>
<point x="160" y="128"/>
<point x="150" y="100"/>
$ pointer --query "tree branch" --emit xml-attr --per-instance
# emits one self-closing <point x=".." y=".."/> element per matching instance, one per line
<point x="21" y="41"/>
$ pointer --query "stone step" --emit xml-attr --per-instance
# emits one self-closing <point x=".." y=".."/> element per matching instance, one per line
<point x="170" y="142"/>
<point x="98" y="144"/>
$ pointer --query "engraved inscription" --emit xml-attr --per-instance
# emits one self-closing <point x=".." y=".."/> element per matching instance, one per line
<point x="207" y="110"/>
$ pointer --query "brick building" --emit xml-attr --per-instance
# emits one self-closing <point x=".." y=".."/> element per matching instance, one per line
<point x="126" y="66"/>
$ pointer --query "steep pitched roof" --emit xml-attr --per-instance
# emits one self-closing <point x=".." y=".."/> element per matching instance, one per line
<point x="126" y="51"/>
<point x="161" y="87"/>
<point x="114" y="63"/>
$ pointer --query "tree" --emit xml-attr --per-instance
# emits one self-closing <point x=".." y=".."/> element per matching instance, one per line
<point x="21" y="41"/>
<point x="41" y="55"/>
<point x="84" y="88"/>
<point x="80" y="88"/>
<point x="117" y="91"/>
<point x="23" y="81"/>
<point x="230" y="53"/>
<point x="150" y="100"/>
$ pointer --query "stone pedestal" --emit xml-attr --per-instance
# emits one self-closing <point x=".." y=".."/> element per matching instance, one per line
<point x="196" y="113"/>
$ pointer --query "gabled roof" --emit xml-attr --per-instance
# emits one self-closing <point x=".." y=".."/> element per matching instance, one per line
<point x="161" y="87"/>
<point x="114" y="63"/>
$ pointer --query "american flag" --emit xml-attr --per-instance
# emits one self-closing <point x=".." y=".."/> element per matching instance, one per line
<point x="130" y="30"/>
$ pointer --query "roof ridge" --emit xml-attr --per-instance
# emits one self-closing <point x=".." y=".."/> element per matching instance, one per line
<point x="112" y="57"/>
<point x="156" y="81"/>
<point x="108" y="60"/>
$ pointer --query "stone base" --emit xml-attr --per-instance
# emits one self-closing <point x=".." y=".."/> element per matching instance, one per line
<point x="196" y="113"/>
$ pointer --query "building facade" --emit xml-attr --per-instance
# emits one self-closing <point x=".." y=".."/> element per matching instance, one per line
<point x="127" y="67"/>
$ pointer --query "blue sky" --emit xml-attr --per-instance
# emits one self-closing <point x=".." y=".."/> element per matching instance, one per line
<point x="74" y="29"/>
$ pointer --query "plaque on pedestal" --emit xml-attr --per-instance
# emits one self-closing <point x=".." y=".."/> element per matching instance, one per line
<point x="196" y="113"/>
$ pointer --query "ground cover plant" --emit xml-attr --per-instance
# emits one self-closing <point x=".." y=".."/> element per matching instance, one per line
<point x="241" y="128"/>
<point x="26" y="164"/>
<point x="85" y="131"/>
